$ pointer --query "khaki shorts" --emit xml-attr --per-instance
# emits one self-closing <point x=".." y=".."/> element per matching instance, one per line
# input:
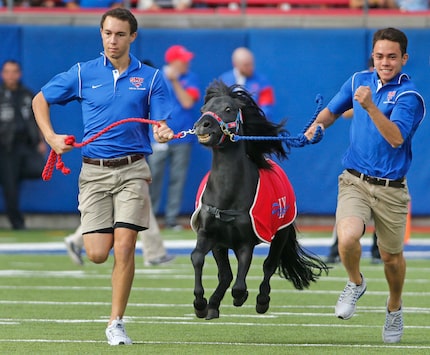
<point x="388" y="206"/>
<point x="114" y="195"/>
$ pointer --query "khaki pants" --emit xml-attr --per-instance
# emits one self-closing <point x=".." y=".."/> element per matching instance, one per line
<point x="388" y="206"/>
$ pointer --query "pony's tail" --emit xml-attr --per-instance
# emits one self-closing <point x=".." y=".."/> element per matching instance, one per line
<point x="297" y="265"/>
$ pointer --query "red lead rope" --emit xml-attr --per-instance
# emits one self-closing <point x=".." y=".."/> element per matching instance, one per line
<point x="54" y="159"/>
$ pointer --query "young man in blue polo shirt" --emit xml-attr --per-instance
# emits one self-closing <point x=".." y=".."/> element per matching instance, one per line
<point x="387" y="112"/>
<point x="113" y="183"/>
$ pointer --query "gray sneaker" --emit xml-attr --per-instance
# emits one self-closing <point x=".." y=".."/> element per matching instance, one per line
<point x="346" y="304"/>
<point x="393" y="327"/>
<point x="116" y="334"/>
<point x="162" y="260"/>
<point x="74" y="251"/>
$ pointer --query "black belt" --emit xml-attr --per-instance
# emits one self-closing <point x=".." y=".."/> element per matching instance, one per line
<point x="378" y="181"/>
<point x="114" y="163"/>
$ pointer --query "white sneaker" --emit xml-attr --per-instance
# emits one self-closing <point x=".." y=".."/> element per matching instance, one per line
<point x="346" y="304"/>
<point x="116" y="334"/>
<point x="393" y="327"/>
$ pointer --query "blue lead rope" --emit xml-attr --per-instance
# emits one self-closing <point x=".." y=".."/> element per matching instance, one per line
<point x="300" y="140"/>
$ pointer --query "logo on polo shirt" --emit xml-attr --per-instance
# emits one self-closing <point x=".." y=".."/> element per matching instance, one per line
<point x="136" y="81"/>
<point x="391" y="95"/>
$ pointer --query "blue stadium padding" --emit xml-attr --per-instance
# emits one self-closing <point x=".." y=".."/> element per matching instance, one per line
<point x="300" y="63"/>
<point x="10" y="37"/>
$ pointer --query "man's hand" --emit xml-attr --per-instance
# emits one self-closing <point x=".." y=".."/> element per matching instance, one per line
<point x="363" y="95"/>
<point x="57" y="142"/>
<point x="162" y="132"/>
<point x="171" y="73"/>
<point x="310" y="133"/>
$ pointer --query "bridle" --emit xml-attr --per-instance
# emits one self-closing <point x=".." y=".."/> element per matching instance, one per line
<point x="230" y="129"/>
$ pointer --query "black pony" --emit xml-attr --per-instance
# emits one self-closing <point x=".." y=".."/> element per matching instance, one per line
<point x="223" y="220"/>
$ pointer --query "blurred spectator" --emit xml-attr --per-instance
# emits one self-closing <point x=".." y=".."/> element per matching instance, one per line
<point x="359" y="4"/>
<point x="92" y="4"/>
<point x="160" y="4"/>
<point x="403" y="5"/>
<point x="409" y="5"/>
<point x="43" y="3"/>
<point x="22" y="149"/>
<point x="243" y="73"/>
<point x="184" y="88"/>
<point x="70" y="4"/>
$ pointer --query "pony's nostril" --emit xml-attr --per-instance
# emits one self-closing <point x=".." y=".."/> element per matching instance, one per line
<point x="206" y="124"/>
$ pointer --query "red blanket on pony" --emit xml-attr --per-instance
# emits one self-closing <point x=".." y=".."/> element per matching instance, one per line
<point x="274" y="205"/>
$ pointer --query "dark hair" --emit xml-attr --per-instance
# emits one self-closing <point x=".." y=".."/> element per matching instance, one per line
<point x="11" y="61"/>
<point x="394" y="35"/>
<point x="123" y="15"/>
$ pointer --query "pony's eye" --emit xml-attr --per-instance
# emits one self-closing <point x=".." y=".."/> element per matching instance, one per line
<point x="228" y="109"/>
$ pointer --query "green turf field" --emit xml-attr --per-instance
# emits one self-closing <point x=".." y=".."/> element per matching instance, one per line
<point x="50" y="306"/>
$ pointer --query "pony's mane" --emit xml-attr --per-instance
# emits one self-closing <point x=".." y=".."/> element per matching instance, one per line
<point x="255" y="123"/>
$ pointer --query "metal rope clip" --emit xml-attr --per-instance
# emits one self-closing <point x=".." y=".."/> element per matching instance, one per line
<point x="182" y="134"/>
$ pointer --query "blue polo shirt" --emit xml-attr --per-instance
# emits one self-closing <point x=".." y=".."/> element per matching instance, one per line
<point x="368" y="152"/>
<point x="106" y="98"/>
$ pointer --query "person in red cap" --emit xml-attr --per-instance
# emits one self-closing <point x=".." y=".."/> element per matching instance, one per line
<point x="185" y="92"/>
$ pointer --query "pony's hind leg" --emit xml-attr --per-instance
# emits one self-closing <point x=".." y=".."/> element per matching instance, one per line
<point x="269" y="267"/>
<point x="225" y="276"/>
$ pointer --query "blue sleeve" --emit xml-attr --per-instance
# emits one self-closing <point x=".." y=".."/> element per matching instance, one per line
<point x="408" y="113"/>
<point x="342" y="101"/>
<point x="160" y="107"/>
<point x="63" y="87"/>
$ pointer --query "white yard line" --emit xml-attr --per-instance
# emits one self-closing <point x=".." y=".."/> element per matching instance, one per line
<point x="180" y="244"/>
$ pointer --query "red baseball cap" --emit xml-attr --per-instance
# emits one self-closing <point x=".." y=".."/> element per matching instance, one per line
<point x="178" y="52"/>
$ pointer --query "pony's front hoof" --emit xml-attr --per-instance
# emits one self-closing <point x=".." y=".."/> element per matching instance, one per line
<point x="201" y="308"/>
<point x="238" y="302"/>
<point x="212" y="314"/>
<point x="262" y="308"/>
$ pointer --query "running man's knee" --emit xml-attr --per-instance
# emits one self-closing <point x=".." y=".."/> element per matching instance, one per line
<point x="97" y="256"/>
<point x="98" y="246"/>
<point x="349" y="231"/>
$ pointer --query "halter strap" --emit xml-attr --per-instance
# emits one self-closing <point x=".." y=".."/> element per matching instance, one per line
<point x="229" y="129"/>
